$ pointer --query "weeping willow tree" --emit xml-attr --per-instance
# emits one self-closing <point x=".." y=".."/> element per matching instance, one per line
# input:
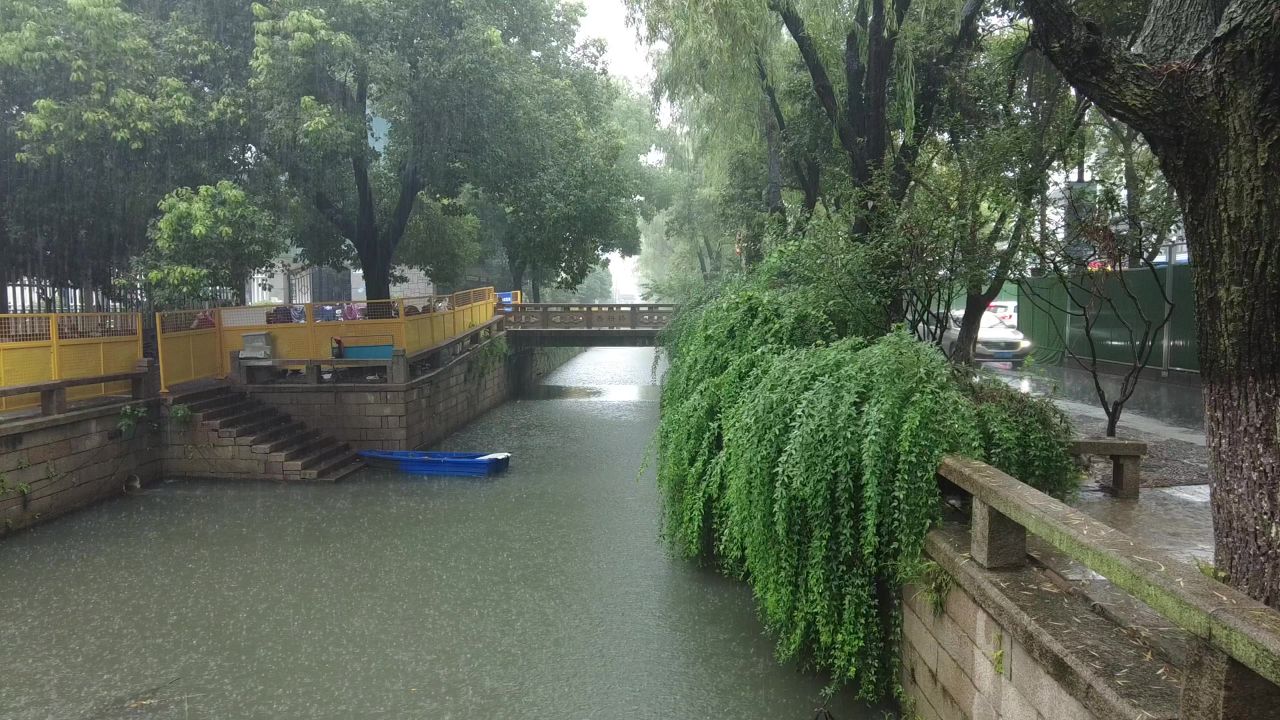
<point x="726" y="64"/>
<point x="806" y="464"/>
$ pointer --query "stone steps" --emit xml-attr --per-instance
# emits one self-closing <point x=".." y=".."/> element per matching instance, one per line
<point x="276" y="449"/>
<point x="262" y="442"/>
<point x="287" y="448"/>
<point x="214" y="402"/>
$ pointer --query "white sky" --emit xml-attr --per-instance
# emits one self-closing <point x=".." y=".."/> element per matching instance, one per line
<point x="628" y="60"/>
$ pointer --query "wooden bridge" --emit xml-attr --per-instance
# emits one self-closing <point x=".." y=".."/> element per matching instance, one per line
<point x="579" y="325"/>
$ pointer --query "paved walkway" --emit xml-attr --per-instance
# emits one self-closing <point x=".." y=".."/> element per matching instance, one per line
<point x="1175" y="520"/>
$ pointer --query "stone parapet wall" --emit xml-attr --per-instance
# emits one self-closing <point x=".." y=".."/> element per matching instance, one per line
<point x="1017" y="644"/>
<point x="960" y="664"/>
<point x="53" y="465"/>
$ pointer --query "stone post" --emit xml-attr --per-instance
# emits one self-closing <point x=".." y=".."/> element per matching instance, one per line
<point x="1219" y="688"/>
<point x="147" y="386"/>
<point x="1126" y="476"/>
<point x="53" y="401"/>
<point x="239" y="373"/>
<point x="997" y="542"/>
<point x="398" y="370"/>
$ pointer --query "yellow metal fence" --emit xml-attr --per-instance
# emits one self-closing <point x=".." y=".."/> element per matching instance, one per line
<point x="64" y="346"/>
<point x="197" y="344"/>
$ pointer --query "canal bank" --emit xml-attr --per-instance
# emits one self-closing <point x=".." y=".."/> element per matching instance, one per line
<point x="545" y="593"/>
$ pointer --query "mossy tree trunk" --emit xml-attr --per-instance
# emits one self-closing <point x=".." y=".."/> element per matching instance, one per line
<point x="1202" y="84"/>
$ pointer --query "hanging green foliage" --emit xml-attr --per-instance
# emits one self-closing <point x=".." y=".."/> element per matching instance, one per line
<point x="1025" y="437"/>
<point x="808" y="467"/>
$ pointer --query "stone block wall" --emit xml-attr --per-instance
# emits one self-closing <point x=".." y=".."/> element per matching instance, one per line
<point x="960" y="664"/>
<point x="53" y="465"/>
<point x="421" y="412"/>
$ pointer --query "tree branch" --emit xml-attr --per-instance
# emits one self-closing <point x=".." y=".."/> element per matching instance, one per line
<point x="822" y="86"/>
<point x="1106" y="73"/>
<point x="1178" y="29"/>
<point x="807" y="173"/>
<point x="410" y="186"/>
<point x="928" y="98"/>
<point x="334" y="215"/>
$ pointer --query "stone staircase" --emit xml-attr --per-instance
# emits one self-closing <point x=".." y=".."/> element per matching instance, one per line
<point x="286" y="449"/>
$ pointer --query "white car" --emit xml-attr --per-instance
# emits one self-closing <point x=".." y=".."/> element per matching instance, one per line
<point x="997" y="341"/>
<point x="1006" y="310"/>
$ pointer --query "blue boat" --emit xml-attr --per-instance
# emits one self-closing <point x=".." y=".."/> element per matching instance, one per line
<point x="438" y="463"/>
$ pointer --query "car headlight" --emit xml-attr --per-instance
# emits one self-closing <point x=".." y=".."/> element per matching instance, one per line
<point x="1025" y="344"/>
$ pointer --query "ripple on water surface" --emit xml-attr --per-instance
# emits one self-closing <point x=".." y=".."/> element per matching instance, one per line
<point x="543" y="593"/>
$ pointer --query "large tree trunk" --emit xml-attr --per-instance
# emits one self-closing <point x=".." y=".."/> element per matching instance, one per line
<point x="517" y="276"/>
<point x="535" y="283"/>
<point x="1203" y="96"/>
<point x="377" y="271"/>
<point x="1232" y="216"/>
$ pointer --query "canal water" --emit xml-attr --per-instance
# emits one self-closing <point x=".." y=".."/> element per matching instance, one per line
<point x="544" y="593"/>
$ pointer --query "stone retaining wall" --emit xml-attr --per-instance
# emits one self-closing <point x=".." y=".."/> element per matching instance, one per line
<point x="53" y="465"/>
<point x="1014" y="644"/>
<point x="421" y="412"/>
<point x="188" y="452"/>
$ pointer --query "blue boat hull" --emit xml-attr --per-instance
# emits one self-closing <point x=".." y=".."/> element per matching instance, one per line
<point x="438" y="463"/>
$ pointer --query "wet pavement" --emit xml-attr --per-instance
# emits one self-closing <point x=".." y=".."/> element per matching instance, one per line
<point x="1168" y="406"/>
<point x="1168" y="416"/>
<point x="1173" y="520"/>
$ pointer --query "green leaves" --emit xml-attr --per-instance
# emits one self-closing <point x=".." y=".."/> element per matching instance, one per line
<point x="809" y="467"/>
<point x="213" y="235"/>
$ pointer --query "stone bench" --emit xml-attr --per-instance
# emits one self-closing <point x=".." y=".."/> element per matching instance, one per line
<point x="53" y="393"/>
<point x="1126" y="462"/>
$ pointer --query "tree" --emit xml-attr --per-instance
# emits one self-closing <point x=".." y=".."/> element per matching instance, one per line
<point x="999" y="149"/>
<point x="596" y="288"/>
<point x="572" y="195"/>
<point x="210" y="237"/>
<point x="372" y="106"/>
<point x="1195" y="85"/>
<point x="1131" y="177"/>
<point x="1090" y="295"/>
<point x="728" y="71"/>
<point x="102" y="111"/>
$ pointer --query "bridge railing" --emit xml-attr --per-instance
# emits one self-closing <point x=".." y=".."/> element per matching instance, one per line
<point x="575" y="316"/>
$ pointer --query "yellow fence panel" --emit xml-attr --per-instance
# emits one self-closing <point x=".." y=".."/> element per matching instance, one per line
<point x="190" y="348"/>
<point x="92" y="344"/>
<point x="378" y="322"/>
<point x="43" y="348"/>
<point x="310" y="331"/>
<point x="285" y="323"/>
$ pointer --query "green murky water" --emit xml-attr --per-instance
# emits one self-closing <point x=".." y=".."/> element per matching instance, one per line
<point x="544" y="593"/>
